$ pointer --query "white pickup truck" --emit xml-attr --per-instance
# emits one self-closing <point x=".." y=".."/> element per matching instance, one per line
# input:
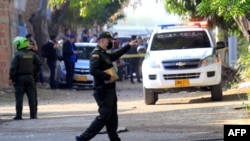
<point x="181" y="57"/>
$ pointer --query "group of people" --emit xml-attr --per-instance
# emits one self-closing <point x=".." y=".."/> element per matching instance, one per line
<point x="85" y="36"/>
<point x="130" y="65"/>
<point x="52" y="54"/>
<point x="26" y="64"/>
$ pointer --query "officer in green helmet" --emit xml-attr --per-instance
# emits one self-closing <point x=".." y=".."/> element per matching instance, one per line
<point x="21" y="76"/>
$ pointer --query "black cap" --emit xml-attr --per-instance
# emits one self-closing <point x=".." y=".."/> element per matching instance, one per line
<point x="28" y="35"/>
<point x="133" y="37"/>
<point x="105" y="35"/>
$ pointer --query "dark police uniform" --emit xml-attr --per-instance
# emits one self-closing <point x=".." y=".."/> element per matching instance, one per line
<point x="22" y="72"/>
<point x="104" y="93"/>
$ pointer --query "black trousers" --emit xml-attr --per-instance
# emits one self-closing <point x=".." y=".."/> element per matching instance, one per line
<point x="52" y="77"/>
<point x="107" y="103"/>
<point x="25" y="84"/>
<point x="69" y="66"/>
<point x="134" y="67"/>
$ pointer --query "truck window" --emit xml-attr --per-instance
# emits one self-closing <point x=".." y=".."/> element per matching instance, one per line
<point x="180" y="40"/>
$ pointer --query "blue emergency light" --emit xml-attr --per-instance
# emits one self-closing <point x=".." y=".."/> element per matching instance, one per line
<point x="164" y="26"/>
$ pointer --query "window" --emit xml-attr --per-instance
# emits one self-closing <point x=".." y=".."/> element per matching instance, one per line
<point x="180" y="40"/>
<point x="84" y="52"/>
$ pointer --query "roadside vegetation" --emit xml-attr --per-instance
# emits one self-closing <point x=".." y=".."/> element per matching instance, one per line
<point x="243" y="66"/>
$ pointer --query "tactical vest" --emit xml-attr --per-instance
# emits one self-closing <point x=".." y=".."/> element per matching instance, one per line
<point x="25" y="65"/>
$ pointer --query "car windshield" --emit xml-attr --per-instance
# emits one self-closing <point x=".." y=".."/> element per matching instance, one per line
<point x="84" y="52"/>
<point x="180" y="40"/>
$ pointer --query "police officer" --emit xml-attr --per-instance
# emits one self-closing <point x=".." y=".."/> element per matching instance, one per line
<point x="105" y="88"/>
<point x="23" y="66"/>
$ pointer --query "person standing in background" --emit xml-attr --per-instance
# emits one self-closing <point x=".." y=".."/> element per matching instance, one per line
<point x="141" y="43"/>
<point x="118" y="63"/>
<point x="50" y="49"/>
<point x="66" y="34"/>
<point x="32" y="45"/>
<point x="84" y="36"/>
<point x="93" y="39"/>
<point x="24" y="66"/>
<point x="69" y="58"/>
<point x="134" y="63"/>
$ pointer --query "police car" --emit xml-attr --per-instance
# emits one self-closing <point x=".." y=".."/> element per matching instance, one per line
<point x="181" y="57"/>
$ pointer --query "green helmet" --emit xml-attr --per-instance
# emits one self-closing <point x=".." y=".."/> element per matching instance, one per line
<point x="21" y="42"/>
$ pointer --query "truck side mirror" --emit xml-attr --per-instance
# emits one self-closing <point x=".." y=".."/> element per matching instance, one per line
<point x="220" y="45"/>
<point x="141" y="49"/>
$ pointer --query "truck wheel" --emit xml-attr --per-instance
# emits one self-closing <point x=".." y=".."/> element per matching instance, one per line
<point x="150" y="97"/>
<point x="216" y="92"/>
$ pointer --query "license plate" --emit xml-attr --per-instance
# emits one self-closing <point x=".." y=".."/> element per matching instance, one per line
<point x="182" y="83"/>
<point x="81" y="78"/>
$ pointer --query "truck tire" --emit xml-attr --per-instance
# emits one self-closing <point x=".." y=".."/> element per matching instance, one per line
<point x="216" y="92"/>
<point x="150" y="97"/>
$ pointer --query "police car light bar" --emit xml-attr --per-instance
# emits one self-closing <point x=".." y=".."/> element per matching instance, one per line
<point x="164" y="26"/>
<point x="194" y="24"/>
<point x="198" y="23"/>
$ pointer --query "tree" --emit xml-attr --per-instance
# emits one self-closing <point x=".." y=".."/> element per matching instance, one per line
<point x="88" y="12"/>
<point x="238" y="10"/>
<point x="39" y="23"/>
<point x="227" y="14"/>
<point x="43" y="27"/>
<point x="74" y="13"/>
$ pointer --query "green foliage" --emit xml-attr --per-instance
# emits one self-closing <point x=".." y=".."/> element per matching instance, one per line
<point x="53" y="3"/>
<point x="218" y="12"/>
<point x="225" y="8"/>
<point x="185" y="8"/>
<point x="231" y="85"/>
<point x="99" y="13"/>
<point x="88" y="12"/>
<point x="243" y="62"/>
<point x="247" y="105"/>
